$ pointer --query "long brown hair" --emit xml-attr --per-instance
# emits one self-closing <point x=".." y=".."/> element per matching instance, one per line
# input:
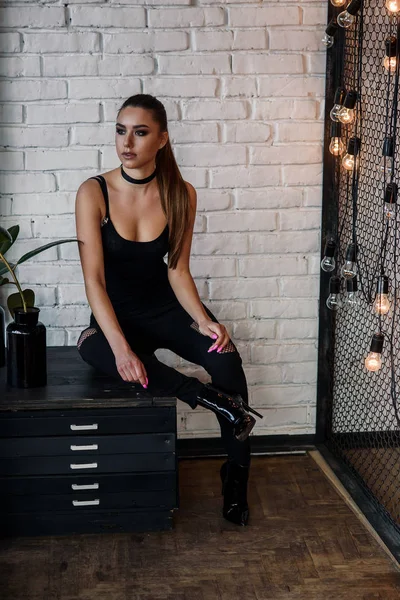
<point x="174" y="195"/>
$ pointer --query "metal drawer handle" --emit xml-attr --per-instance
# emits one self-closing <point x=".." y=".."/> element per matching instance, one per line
<point x="90" y="447"/>
<point x="89" y="486"/>
<point x="84" y="427"/>
<point x="84" y="466"/>
<point x="86" y="502"/>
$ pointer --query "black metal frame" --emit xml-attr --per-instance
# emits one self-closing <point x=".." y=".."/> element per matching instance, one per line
<point x="376" y="514"/>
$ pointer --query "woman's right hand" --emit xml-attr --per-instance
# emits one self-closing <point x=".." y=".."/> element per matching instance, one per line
<point x="130" y="367"/>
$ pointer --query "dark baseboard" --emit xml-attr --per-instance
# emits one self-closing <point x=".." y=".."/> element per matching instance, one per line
<point x="260" y="444"/>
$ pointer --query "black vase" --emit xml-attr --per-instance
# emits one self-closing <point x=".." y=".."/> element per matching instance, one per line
<point x="26" y="350"/>
<point x="2" y="338"/>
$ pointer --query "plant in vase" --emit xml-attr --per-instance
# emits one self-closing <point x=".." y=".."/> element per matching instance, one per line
<point x="26" y="335"/>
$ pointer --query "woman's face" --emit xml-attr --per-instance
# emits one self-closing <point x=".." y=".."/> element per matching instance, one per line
<point x="138" y="137"/>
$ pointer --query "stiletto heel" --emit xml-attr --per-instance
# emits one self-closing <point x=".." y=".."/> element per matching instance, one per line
<point x="247" y="407"/>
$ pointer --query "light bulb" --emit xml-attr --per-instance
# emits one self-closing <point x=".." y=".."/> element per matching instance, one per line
<point x="373" y="362"/>
<point x="390" y="59"/>
<point x="393" y="6"/>
<point x="347" y="17"/>
<point x="338" y="3"/>
<point x="381" y="304"/>
<point x="336" y="146"/>
<point x="328" y="39"/>
<point x="352" y="298"/>
<point x="387" y="156"/>
<point x="390" y="200"/>
<point x="349" y="160"/>
<point x="346" y="113"/>
<point x="333" y="301"/>
<point x="328" y="262"/>
<point x="349" y="269"/>
<point x="340" y="95"/>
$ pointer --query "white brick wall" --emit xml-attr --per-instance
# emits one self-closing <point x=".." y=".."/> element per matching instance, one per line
<point x="243" y="86"/>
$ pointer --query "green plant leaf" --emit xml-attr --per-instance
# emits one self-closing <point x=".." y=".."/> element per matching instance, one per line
<point x="4" y="280"/>
<point x="41" y="249"/>
<point x="14" y="300"/>
<point x="5" y="235"/>
<point x="13" y="231"/>
<point x="3" y="268"/>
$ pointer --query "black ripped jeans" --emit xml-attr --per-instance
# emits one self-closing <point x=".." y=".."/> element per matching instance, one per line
<point x="173" y="328"/>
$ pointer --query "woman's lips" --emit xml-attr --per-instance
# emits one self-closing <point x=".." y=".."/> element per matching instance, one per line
<point x="128" y="154"/>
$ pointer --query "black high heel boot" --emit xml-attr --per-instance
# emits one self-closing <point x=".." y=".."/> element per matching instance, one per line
<point x="230" y="406"/>
<point x="234" y="489"/>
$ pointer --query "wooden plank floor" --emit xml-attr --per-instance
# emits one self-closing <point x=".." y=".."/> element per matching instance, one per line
<point x="303" y="543"/>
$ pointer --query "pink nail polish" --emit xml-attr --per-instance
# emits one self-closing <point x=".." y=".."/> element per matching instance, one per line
<point x="144" y="385"/>
<point x="214" y="337"/>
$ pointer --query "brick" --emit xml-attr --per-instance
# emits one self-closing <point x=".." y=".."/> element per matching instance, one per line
<point x="282" y="395"/>
<point x="72" y="294"/>
<point x="134" y="64"/>
<point x="250" y="330"/>
<point x="220" y="243"/>
<point x="315" y="15"/>
<point x="269" y="198"/>
<point x="188" y="87"/>
<point x="284" y="308"/>
<point x="293" y="85"/>
<point x="82" y="112"/>
<point x="55" y="337"/>
<point x="33" y="17"/>
<point x="305" y="286"/>
<point x="297" y="329"/>
<point x="105" y="16"/>
<point x="302" y="174"/>
<point x="35" y="89"/>
<point x="209" y="155"/>
<point x="69" y="181"/>
<point x="92" y="135"/>
<point x="299" y="40"/>
<point x="145" y="41"/>
<point x="239" y="86"/>
<point x="210" y="200"/>
<point x="299" y="219"/>
<point x="212" y="267"/>
<point x="313" y="196"/>
<point x="273" y="243"/>
<point x="300" y="132"/>
<point x="192" y="64"/>
<point x="180" y="133"/>
<point x="305" y="372"/>
<point x="61" y="42"/>
<point x="242" y="221"/>
<point x="10" y="113"/>
<point x="63" y="225"/>
<point x="247" y="131"/>
<point x="81" y="89"/>
<point x="185" y="17"/>
<point x="243" y="287"/>
<point x="34" y="136"/>
<point x="285" y="109"/>
<point x="262" y="63"/>
<point x="285" y="154"/>
<point x="56" y="66"/>
<point x="46" y="160"/>
<point x="252" y="176"/>
<point x="11" y="161"/>
<point x="10" y="42"/>
<point x="42" y="204"/>
<point x="214" y="109"/>
<point x="270" y="266"/>
<point x="30" y="182"/>
<point x="247" y="16"/>
<point x="283" y="353"/>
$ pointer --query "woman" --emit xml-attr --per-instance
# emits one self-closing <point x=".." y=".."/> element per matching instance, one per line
<point x="139" y="303"/>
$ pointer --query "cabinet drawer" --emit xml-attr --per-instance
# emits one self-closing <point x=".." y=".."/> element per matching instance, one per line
<point x="93" y="422"/>
<point x="88" y="445"/>
<point x="93" y="501"/>
<point x="106" y="463"/>
<point x="108" y="484"/>
<point x="70" y="523"/>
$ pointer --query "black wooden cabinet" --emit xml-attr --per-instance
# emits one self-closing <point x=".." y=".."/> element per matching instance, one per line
<point x="85" y="454"/>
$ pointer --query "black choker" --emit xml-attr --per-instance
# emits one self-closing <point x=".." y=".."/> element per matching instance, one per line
<point x="132" y="180"/>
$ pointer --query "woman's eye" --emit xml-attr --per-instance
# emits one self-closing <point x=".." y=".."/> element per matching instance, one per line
<point x="120" y="131"/>
<point x="142" y="131"/>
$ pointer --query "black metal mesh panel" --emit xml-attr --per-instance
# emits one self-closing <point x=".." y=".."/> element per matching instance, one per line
<point x="364" y="429"/>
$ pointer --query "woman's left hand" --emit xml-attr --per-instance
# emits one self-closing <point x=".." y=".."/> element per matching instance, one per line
<point x="217" y="331"/>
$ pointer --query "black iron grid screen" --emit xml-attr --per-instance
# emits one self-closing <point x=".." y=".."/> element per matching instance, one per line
<point x="364" y="428"/>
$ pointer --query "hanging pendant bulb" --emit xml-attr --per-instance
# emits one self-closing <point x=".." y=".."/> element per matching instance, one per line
<point x="393" y="6"/>
<point x="387" y="156"/>
<point x="381" y="304"/>
<point x="333" y="301"/>
<point x="338" y="100"/>
<point x="328" y="39"/>
<point x="346" y="113"/>
<point x="338" y="3"/>
<point x="373" y="362"/>
<point x="349" y="160"/>
<point x="347" y="17"/>
<point x="336" y="146"/>
<point x="328" y="262"/>
<point x="390" y="59"/>
<point x="349" y="269"/>
<point x="390" y="200"/>
<point x="352" y="298"/>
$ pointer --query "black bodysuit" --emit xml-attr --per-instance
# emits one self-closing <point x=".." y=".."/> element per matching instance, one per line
<point x="151" y="318"/>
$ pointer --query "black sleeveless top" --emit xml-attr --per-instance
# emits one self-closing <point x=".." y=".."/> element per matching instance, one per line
<point x="135" y="272"/>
